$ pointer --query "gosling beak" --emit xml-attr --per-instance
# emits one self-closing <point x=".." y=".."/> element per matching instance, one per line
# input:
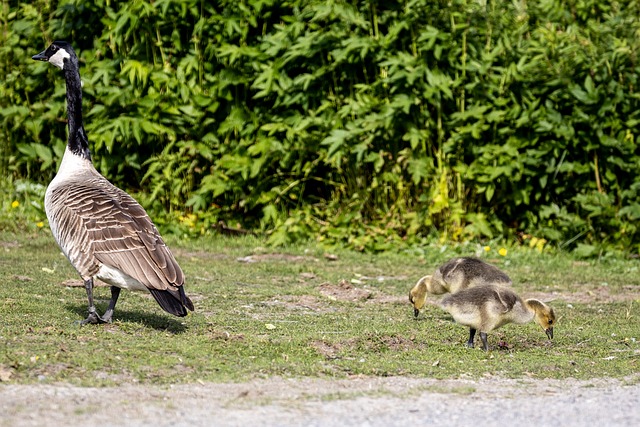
<point x="549" y="332"/>
<point x="416" y="312"/>
<point x="40" y="57"/>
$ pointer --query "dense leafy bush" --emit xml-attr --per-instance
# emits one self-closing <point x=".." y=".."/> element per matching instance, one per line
<point x="361" y="122"/>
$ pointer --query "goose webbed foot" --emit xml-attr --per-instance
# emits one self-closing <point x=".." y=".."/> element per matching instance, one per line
<point x="107" y="317"/>
<point x="94" y="318"/>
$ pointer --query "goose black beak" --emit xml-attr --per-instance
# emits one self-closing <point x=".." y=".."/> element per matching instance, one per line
<point x="549" y="332"/>
<point x="416" y="312"/>
<point x="40" y="57"/>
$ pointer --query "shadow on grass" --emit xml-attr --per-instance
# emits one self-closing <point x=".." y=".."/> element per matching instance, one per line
<point x="160" y="322"/>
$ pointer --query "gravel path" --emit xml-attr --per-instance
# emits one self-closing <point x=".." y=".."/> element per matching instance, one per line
<point x="395" y="401"/>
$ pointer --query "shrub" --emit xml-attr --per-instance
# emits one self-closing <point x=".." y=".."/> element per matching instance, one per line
<point x="368" y="124"/>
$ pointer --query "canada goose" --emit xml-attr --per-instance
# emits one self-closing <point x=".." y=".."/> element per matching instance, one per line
<point x="485" y="308"/>
<point x="102" y="230"/>
<point x="454" y="275"/>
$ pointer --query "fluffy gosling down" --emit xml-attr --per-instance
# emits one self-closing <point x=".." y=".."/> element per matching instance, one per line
<point x="454" y="275"/>
<point x="486" y="308"/>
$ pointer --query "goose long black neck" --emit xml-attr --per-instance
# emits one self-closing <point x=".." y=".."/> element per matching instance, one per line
<point x="78" y="142"/>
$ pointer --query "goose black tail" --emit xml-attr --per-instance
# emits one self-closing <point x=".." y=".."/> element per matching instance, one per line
<point x="174" y="302"/>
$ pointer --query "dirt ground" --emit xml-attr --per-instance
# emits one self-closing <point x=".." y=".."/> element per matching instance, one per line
<point x="360" y="401"/>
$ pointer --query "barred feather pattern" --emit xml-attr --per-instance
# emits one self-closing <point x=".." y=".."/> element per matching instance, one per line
<point x="102" y="229"/>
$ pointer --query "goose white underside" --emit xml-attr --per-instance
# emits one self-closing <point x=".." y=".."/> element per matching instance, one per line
<point x="115" y="277"/>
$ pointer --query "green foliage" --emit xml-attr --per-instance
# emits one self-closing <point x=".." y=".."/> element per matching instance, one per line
<point x="21" y="206"/>
<point x="358" y="123"/>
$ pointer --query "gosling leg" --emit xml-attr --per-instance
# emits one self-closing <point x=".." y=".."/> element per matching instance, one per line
<point x="472" y="334"/>
<point x="483" y="337"/>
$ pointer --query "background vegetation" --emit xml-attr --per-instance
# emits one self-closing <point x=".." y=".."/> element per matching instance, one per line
<point x="363" y="123"/>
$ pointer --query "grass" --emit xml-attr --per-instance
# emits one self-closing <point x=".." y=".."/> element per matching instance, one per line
<point x="297" y="312"/>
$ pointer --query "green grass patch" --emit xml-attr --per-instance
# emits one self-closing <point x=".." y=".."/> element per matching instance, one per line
<point x="303" y="312"/>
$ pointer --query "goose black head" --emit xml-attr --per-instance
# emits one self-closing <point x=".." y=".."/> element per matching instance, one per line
<point x="59" y="54"/>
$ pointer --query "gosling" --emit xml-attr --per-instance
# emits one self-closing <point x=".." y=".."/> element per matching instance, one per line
<point x="454" y="275"/>
<point x="486" y="308"/>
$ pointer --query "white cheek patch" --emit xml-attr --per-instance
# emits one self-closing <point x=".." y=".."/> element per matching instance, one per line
<point x="58" y="58"/>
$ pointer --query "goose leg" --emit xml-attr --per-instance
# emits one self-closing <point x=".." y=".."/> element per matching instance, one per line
<point x="472" y="334"/>
<point x="93" y="317"/>
<point x="483" y="337"/>
<point x="115" y="293"/>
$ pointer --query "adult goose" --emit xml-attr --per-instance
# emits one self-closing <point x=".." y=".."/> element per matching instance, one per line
<point x="102" y="230"/>
<point x="485" y="308"/>
<point x="453" y="276"/>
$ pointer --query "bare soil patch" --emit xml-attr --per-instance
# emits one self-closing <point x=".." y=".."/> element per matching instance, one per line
<point x="77" y="283"/>
<point x="276" y="257"/>
<point x="300" y="303"/>
<point x="344" y="291"/>
<point x="599" y="294"/>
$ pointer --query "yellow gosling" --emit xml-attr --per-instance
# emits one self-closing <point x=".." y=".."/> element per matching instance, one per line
<point x="454" y="275"/>
<point x="486" y="308"/>
<point x="418" y="295"/>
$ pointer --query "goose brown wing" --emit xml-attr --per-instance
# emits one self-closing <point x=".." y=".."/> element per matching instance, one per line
<point x="118" y="233"/>
<point x="69" y="231"/>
